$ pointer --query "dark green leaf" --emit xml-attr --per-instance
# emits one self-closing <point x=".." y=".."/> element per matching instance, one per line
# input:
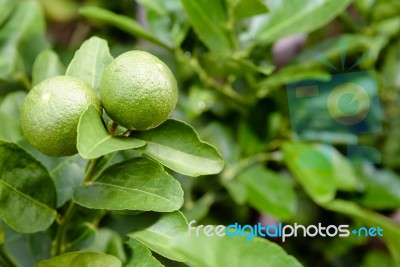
<point x="81" y="259"/>
<point x="94" y="140"/>
<point x="158" y="235"/>
<point x="268" y="192"/>
<point x="206" y="251"/>
<point x="176" y="145"/>
<point x="137" y="184"/>
<point x="141" y="256"/>
<point x="208" y="19"/>
<point x="122" y="22"/>
<point x="90" y="61"/>
<point x="82" y="236"/>
<point x="40" y="245"/>
<point x="287" y="17"/>
<point x="27" y="193"/>
<point x="47" y="64"/>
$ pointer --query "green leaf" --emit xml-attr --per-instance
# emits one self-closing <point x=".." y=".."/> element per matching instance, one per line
<point x="40" y="245"/>
<point x="90" y="61"/>
<point x="249" y="8"/>
<point x="176" y="145"/>
<point x="207" y="251"/>
<point x="108" y="241"/>
<point x="313" y="170"/>
<point x="137" y="184"/>
<point x="11" y="133"/>
<point x="47" y="64"/>
<point x="287" y="17"/>
<point x="382" y="190"/>
<point x="141" y="256"/>
<point x="27" y="193"/>
<point x="6" y="6"/>
<point x="67" y="174"/>
<point x="94" y="140"/>
<point x="122" y="22"/>
<point x="208" y="19"/>
<point x="166" y="19"/>
<point x="158" y="232"/>
<point x="22" y="37"/>
<point x="81" y="259"/>
<point x="391" y="230"/>
<point x="268" y="192"/>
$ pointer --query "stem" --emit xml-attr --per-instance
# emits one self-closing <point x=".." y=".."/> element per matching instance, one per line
<point x="62" y="229"/>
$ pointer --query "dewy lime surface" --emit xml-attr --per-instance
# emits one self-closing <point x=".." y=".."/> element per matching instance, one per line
<point x="50" y="114"/>
<point x="138" y="90"/>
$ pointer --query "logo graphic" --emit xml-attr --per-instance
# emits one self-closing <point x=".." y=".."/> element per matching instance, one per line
<point x="338" y="111"/>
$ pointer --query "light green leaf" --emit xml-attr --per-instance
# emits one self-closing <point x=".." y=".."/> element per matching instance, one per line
<point x="11" y="133"/>
<point x="391" y="67"/>
<point x="313" y="169"/>
<point x="81" y="259"/>
<point x="158" y="232"/>
<point x="6" y="6"/>
<point x="249" y="8"/>
<point x="382" y="190"/>
<point x="208" y="19"/>
<point x="268" y="192"/>
<point x="27" y="193"/>
<point x="137" y="184"/>
<point x="176" y="145"/>
<point x="25" y="29"/>
<point x="94" y="140"/>
<point x="141" y="256"/>
<point x="288" y="17"/>
<point x="90" y="61"/>
<point x="47" y="64"/>
<point x="206" y="251"/>
<point x="343" y="172"/>
<point x="391" y="230"/>
<point x="122" y="22"/>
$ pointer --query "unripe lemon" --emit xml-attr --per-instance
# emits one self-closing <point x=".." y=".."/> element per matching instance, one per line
<point x="138" y="90"/>
<point x="50" y="114"/>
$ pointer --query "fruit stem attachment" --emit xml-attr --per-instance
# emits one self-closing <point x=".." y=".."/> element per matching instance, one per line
<point x="63" y="227"/>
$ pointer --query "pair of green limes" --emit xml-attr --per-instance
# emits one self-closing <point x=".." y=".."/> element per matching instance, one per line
<point x="137" y="90"/>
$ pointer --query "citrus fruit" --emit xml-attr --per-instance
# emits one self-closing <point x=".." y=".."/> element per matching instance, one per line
<point x="50" y="114"/>
<point x="138" y="90"/>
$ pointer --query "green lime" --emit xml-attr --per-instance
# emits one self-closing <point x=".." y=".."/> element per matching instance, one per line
<point x="138" y="91"/>
<point x="50" y="114"/>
